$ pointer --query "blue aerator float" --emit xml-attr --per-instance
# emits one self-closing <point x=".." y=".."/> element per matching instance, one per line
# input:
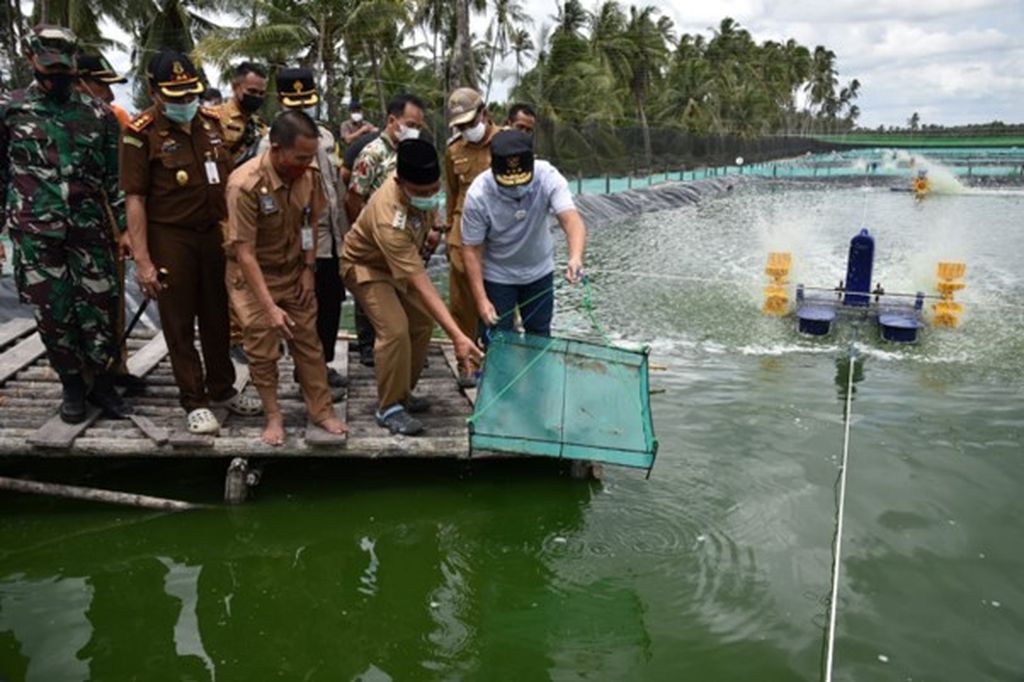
<point x="899" y="315"/>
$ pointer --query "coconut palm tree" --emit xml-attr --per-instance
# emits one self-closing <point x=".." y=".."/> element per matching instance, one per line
<point x="648" y="50"/>
<point x="522" y="46"/>
<point x="509" y="17"/>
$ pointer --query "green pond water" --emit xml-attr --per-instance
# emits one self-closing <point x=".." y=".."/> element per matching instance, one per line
<point x="717" y="568"/>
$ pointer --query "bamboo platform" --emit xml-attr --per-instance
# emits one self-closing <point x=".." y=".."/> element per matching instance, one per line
<point x="30" y="395"/>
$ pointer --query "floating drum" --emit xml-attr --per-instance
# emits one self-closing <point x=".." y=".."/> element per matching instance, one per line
<point x="815" y="320"/>
<point x="899" y="327"/>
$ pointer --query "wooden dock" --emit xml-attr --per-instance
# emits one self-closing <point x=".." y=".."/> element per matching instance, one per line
<point x="30" y="395"/>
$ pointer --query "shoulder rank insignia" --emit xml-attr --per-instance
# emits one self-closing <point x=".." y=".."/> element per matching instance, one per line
<point x="210" y="112"/>
<point x="141" y="121"/>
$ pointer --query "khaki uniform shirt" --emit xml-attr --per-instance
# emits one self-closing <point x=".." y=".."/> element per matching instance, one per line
<point x="167" y="164"/>
<point x="236" y="124"/>
<point x="463" y="162"/>
<point x="384" y="243"/>
<point x="333" y="221"/>
<point x="269" y="214"/>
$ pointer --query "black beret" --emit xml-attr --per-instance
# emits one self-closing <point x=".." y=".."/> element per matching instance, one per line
<point x="417" y="162"/>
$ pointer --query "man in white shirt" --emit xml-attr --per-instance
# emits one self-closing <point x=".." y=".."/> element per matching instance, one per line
<point x="506" y="234"/>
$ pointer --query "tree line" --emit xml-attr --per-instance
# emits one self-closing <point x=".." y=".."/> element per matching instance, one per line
<point x="615" y="66"/>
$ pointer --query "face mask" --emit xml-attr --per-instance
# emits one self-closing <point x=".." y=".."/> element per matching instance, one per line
<point x="58" y="85"/>
<point x="181" y="113"/>
<point x="250" y="103"/>
<point x="517" y="192"/>
<point x="356" y="117"/>
<point x="405" y="133"/>
<point x="425" y="203"/>
<point x="476" y="133"/>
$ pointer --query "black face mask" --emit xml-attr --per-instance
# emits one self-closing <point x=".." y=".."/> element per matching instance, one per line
<point x="250" y="103"/>
<point x="57" y="85"/>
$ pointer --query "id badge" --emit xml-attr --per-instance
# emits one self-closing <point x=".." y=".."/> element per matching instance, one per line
<point x="267" y="204"/>
<point x="212" y="174"/>
<point x="307" y="238"/>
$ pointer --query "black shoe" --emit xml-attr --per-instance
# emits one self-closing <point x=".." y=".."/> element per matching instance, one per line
<point x="467" y="381"/>
<point x="131" y="384"/>
<point x="397" y="420"/>
<point x="72" y="406"/>
<point x="417" y="405"/>
<point x="335" y="380"/>
<point x="106" y="397"/>
<point x="366" y="357"/>
<point x="238" y="355"/>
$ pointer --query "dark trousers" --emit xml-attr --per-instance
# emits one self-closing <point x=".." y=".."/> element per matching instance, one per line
<point x="330" y="292"/>
<point x="536" y="303"/>
<point x="195" y="290"/>
<point x="365" y="336"/>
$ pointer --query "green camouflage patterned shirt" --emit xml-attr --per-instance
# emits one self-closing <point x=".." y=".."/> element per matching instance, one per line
<point x="373" y="165"/>
<point x="57" y="161"/>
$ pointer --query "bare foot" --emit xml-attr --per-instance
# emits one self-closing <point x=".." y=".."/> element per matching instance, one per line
<point x="273" y="433"/>
<point x="333" y="425"/>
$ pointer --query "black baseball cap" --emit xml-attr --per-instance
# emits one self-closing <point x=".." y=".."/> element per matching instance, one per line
<point x="417" y="162"/>
<point x="97" y="67"/>
<point x="296" y="87"/>
<point x="512" y="158"/>
<point x="174" y="75"/>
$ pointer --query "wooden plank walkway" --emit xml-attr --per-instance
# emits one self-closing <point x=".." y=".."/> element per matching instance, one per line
<point x="30" y="395"/>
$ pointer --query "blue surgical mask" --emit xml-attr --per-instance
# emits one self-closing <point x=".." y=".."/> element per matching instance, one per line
<point x="517" y="192"/>
<point x="181" y="113"/>
<point x="425" y="203"/>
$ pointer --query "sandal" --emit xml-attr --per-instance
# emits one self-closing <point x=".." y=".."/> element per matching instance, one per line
<point x="242" y="404"/>
<point x="202" y="422"/>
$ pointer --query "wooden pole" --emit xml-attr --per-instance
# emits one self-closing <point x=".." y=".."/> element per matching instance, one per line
<point x="75" y="492"/>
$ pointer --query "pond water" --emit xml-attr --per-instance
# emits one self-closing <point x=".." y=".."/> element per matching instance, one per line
<point x="717" y="568"/>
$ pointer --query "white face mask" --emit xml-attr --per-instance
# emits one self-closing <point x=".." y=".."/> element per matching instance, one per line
<point x="405" y="133"/>
<point x="356" y="116"/>
<point x="476" y="133"/>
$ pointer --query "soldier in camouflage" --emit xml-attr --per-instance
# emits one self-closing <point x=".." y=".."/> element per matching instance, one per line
<point x="58" y="179"/>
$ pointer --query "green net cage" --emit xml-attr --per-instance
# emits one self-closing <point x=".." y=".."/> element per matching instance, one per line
<point x="557" y="397"/>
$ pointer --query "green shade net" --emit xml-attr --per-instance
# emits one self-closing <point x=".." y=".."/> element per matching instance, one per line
<point x="557" y="397"/>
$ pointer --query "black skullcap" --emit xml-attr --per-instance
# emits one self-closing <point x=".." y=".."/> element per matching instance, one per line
<point x="512" y="158"/>
<point x="417" y="162"/>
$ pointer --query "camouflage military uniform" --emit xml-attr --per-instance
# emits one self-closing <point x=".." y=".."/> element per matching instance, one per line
<point x="58" y="166"/>
<point x="373" y="165"/>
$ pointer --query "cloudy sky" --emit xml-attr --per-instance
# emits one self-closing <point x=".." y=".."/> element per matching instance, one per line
<point x="953" y="61"/>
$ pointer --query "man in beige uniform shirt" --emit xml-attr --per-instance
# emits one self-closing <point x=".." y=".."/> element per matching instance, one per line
<point x="382" y="266"/>
<point x="274" y="202"/>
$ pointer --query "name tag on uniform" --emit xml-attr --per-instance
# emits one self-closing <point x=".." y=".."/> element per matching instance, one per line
<point x="307" y="238"/>
<point x="399" y="222"/>
<point x="267" y="204"/>
<point x="212" y="174"/>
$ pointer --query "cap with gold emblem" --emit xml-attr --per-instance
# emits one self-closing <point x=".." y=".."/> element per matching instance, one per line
<point x="174" y="75"/>
<point x="97" y="67"/>
<point x="463" y="105"/>
<point x="53" y="45"/>
<point x="296" y="88"/>
<point x="512" y="158"/>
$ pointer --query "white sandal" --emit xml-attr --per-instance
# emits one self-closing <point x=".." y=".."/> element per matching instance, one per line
<point x="242" y="404"/>
<point x="202" y="422"/>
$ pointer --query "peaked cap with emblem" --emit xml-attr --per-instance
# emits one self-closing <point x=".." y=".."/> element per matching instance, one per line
<point x="53" y="45"/>
<point x="296" y="87"/>
<point x="97" y="67"/>
<point x="463" y="105"/>
<point x="174" y="75"/>
<point x="512" y="158"/>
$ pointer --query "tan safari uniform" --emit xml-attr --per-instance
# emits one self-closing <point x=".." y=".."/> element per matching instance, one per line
<point x="166" y="164"/>
<point x="381" y="254"/>
<point x="268" y="213"/>
<point x="462" y="164"/>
